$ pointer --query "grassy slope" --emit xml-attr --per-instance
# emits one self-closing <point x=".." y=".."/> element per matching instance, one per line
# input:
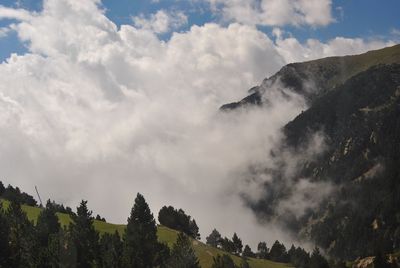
<point x="205" y="253"/>
<point x="337" y="70"/>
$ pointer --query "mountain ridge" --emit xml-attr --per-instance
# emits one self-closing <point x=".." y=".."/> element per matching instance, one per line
<point x="314" y="78"/>
<point x="354" y="103"/>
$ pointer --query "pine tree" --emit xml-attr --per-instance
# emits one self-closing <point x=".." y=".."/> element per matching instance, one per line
<point x="318" y="261"/>
<point x="111" y="250"/>
<point x="163" y="254"/>
<point x="84" y="237"/>
<point x="177" y="219"/>
<point x="2" y="188"/>
<point x="167" y="217"/>
<point x="299" y="257"/>
<point x="228" y="245"/>
<point x="53" y="251"/>
<point x="21" y="238"/>
<point x="247" y="252"/>
<point x="47" y="232"/>
<point x="237" y="242"/>
<point x="99" y="218"/>
<point x="214" y="239"/>
<point x="47" y="224"/>
<point x="224" y="261"/>
<point x="278" y="252"/>
<point x="4" y="239"/>
<point x="194" y="230"/>
<point x="183" y="255"/>
<point x="292" y="252"/>
<point x="262" y="250"/>
<point x="68" y="252"/>
<point x="140" y="240"/>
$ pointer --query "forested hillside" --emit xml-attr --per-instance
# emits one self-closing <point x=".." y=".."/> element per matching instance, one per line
<point x="354" y="107"/>
<point x="35" y="236"/>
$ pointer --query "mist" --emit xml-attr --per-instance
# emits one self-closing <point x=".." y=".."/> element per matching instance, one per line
<point x="99" y="112"/>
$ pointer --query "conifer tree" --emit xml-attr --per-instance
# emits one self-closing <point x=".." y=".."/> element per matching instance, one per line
<point x="163" y="254"/>
<point x="21" y="238"/>
<point x="183" y="255"/>
<point x="237" y="242"/>
<point x="47" y="236"/>
<point x="111" y="250"/>
<point x="318" y="261"/>
<point x="292" y="253"/>
<point x="214" y="239"/>
<point x="84" y="237"/>
<point x="262" y="250"/>
<point x="194" y="229"/>
<point x="140" y="239"/>
<point x="68" y="252"/>
<point x="247" y="252"/>
<point x="2" y="188"/>
<point x="4" y="239"/>
<point x="177" y="219"/>
<point x="299" y="257"/>
<point x="228" y="245"/>
<point x="278" y="252"/>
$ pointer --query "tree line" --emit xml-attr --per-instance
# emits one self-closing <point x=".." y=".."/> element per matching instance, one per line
<point x="48" y="244"/>
<point x="15" y="194"/>
<point x="298" y="257"/>
<point x="177" y="219"/>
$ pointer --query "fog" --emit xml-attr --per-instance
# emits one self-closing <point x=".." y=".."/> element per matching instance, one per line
<point x="99" y="112"/>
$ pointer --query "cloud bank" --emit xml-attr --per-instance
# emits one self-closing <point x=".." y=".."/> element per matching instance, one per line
<point x="161" y="22"/>
<point x="276" y="12"/>
<point x="101" y="112"/>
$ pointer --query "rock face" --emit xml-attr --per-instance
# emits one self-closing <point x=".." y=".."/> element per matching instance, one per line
<point x="355" y="103"/>
<point x="361" y="123"/>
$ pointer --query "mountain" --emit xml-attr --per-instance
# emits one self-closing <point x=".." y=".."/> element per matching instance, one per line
<point x="354" y="104"/>
<point x="315" y="78"/>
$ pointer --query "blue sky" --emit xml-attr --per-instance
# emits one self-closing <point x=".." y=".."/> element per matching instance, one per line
<point x="355" y="18"/>
<point x="367" y="19"/>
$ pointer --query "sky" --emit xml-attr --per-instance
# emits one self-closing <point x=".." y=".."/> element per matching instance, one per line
<point x="101" y="100"/>
<point x="367" y="19"/>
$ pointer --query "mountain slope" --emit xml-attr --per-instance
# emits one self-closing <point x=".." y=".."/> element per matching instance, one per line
<point x="166" y="235"/>
<point x="354" y="104"/>
<point x="315" y="78"/>
<point x="361" y="124"/>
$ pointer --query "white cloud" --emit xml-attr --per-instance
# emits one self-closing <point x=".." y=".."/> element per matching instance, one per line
<point x="276" y="12"/>
<point x="101" y="113"/>
<point x="395" y="31"/>
<point x="395" y="34"/>
<point x="4" y="31"/>
<point x="11" y="13"/>
<point x="162" y="21"/>
<point x="294" y="51"/>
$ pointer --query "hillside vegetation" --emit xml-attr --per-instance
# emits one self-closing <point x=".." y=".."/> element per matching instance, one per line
<point x="354" y="108"/>
<point x="204" y="252"/>
<point x="313" y="79"/>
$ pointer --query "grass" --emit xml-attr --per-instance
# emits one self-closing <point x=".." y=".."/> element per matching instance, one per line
<point x="166" y="235"/>
<point x="336" y="70"/>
